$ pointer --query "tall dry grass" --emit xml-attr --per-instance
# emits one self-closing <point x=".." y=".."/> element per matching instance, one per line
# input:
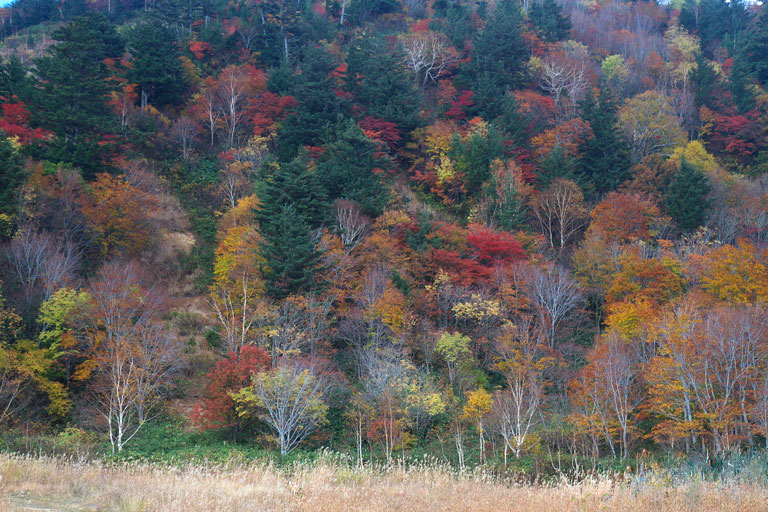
<point x="29" y="483"/>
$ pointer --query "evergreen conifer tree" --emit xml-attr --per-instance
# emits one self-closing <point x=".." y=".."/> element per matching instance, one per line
<point x="380" y="85"/>
<point x="498" y="60"/>
<point x="604" y="163"/>
<point x="740" y="84"/>
<point x="686" y="197"/>
<point x="289" y="253"/>
<point x="550" y="22"/>
<point x="317" y="104"/>
<point x="348" y="167"/>
<point x="156" y="68"/>
<point x="74" y="90"/>
<point x="756" y="51"/>
<point x="514" y="122"/>
<point x="14" y="80"/>
<point x="555" y="165"/>
<point x="11" y="177"/>
<point x="705" y="79"/>
<point x="292" y="184"/>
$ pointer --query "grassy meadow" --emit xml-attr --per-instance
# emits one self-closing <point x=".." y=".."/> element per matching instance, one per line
<point x="330" y="484"/>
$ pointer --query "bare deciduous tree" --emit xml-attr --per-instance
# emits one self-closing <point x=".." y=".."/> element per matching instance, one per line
<point x="558" y="79"/>
<point x="40" y="264"/>
<point x="553" y="296"/>
<point x="231" y="96"/>
<point x="429" y="55"/>
<point x="237" y="308"/>
<point x="516" y="410"/>
<point x="13" y="385"/>
<point x="185" y="130"/>
<point x="352" y="224"/>
<point x="299" y="326"/>
<point x="131" y="354"/>
<point x="209" y="111"/>
<point x="290" y="401"/>
<point x="248" y="34"/>
<point x="561" y="215"/>
<point x="234" y="182"/>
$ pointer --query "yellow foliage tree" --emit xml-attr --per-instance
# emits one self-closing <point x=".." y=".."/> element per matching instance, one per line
<point x="736" y="274"/>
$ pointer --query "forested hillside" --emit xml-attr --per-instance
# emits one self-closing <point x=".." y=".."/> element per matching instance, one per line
<point x="496" y="233"/>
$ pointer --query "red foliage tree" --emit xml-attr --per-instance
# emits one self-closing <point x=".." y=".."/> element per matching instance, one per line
<point x="228" y="376"/>
<point x="380" y="130"/>
<point x="266" y="109"/>
<point x="459" y="106"/>
<point x="495" y="248"/>
<point x="14" y="121"/>
<point x="485" y="251"/>
<point x="734" y="135"/>
<point x="199" y="49"/>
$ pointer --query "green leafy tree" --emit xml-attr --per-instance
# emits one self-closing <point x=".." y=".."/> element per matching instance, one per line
<point x="156" y="67"/>
<point x="454" y="349"/>
<point x="56" y="315"/>
<point x="686" y="197"/>
<point x="25" y="371"/>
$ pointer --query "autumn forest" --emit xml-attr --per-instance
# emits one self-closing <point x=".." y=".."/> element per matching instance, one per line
<point x="521" y="235"/>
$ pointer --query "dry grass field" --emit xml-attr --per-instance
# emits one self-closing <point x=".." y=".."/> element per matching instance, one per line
<point x="28" y="483"/>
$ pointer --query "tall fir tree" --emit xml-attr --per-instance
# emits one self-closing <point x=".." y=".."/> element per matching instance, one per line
<point x="498" y="62"/>
<point x="14" y="80"/>
<point x="686" y="197"/>
<point x="474" y="155"/>
<point x="705" y="79"/>
<point x="291" y="183"/>
<point x="289" y="253"/>
<point x="350" y="168"/>
<point x="756" y="51"/>
<point x="74" y="91"/>
<point x="717" y="22"/>
<point x="604" y="163"/>
<point x="549" y="20"/>
<point x="317" y="104"/>
<point x="11" y="177"/>
<point x="740" y="84"/>
<point x="514" y="122"/>
<point x="155" y="65"/>
<point x="380" y="85"/>
<point x="556" y="165"/>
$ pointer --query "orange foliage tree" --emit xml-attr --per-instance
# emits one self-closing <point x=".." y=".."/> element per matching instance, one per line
<point x="625" y="216"/>
<point x="119" y="215"/>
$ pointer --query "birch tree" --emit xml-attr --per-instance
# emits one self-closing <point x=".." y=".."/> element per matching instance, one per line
<point x="289" y="399"/>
